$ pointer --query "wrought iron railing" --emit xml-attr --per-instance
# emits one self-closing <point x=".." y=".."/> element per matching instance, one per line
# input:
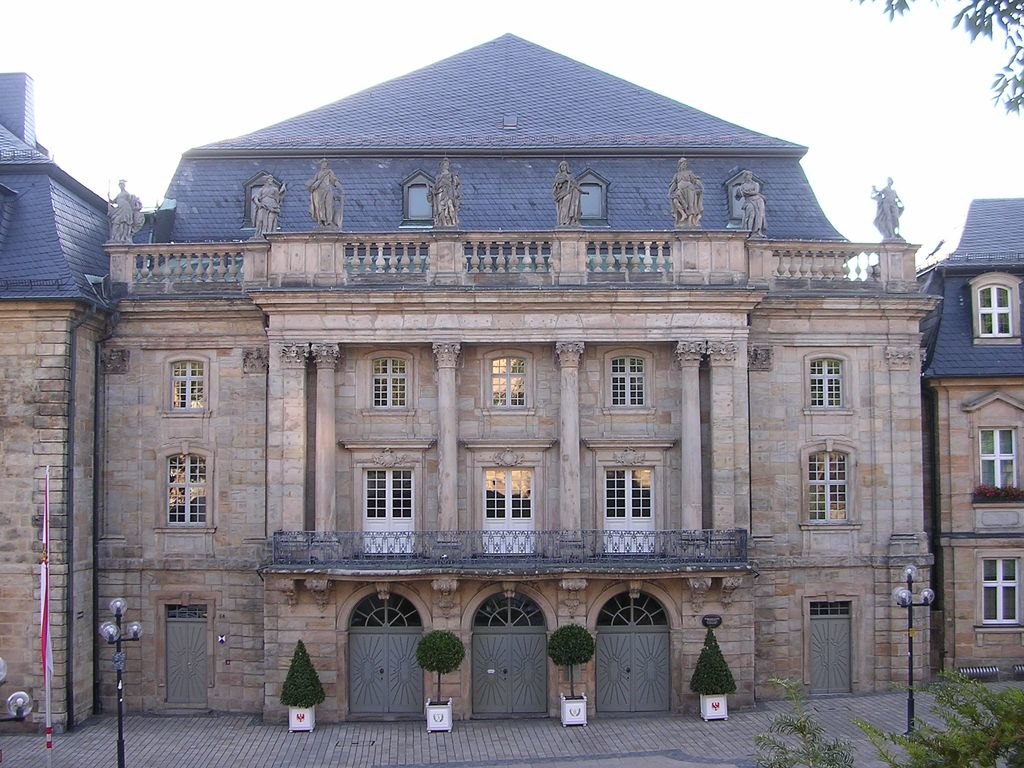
<point x="502" y="550"/>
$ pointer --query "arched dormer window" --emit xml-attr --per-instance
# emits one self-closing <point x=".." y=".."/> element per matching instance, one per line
<point x="995" y="301"/>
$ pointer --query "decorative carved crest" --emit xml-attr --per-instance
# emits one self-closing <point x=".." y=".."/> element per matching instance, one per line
<point x="509" y="588"/>
<point x="759" y="358"/>
<point x="288" y="588"/>
<point x="629" y="457"/>
<point x="446" y="355"/>
<point x="321" y="589"/>
<point x="388" y="458"/>
<point x="634" y="588"/>
<point x="383" y="589"/>
<point x="507" y="458"/>
<point x="899" y="358"/>
<point x="325" y="355"/>
<point x="699" y="586"/>
<point x="689" y="352"/>
<point x="574" y="593"/>
<point x="294" y="355"/>
<point x="115" y="360"/>
<point x="447" y="587"/>
<point x="722" y="351"/>
<point x="255" y="359"/>
<point x="729" y="585"/>
<point x="569" y="352"/>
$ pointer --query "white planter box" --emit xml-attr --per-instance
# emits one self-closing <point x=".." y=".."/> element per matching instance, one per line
<point x="714" y="707"/>
<point x="439" y="716"/>
<point x="301" y="718"/>
<point x="574" y="711"/>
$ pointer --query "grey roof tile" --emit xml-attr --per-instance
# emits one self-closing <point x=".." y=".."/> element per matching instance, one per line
<point x="993" y="226"/>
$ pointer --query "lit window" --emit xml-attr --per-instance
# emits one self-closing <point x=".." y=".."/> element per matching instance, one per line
<point x="827" y="489"/>
<point x="390" y="382"/>
<point x="998" y="457"/>
<point x="508" y="494"/>
<point x="826" y="383"/>
<point x="628" y="382"/>
<point x="999" y="589"/>
<point x="508" y="382"/>
<point x="627" y="494"/>
<point x="186" y="489"/>
<point x="389" y="494"/>
<point x="994" y="317"/>
<point x="187" y="385"/>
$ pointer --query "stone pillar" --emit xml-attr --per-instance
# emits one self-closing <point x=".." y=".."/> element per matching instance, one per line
<point x="286" y="438"/>
<point x="569" y="512"/>
<point x="446" y="357"/>
<point x="722" y="355"/>
<point x="688" y="357"/>
<point x="326" y="357"/>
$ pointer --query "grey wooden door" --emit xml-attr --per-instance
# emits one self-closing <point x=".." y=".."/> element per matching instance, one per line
<point x="830" y="647"/>
<point x="187" y="656"/>
<point x="383" y="675"/>
<point x="632" y="660"/>
<point x="509" y="661"/>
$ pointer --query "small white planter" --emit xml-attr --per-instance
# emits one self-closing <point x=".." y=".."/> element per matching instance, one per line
<point x="301" y="718"/>
<point x="574" y="710"/>
<point x="714" y="707"/>
<point x="439" y="716"/>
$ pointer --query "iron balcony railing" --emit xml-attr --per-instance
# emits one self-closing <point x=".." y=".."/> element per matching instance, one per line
<point x="505" y="550"/>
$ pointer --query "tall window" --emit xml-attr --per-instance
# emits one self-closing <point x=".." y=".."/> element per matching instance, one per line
<point x="826" y="383"/>
<point x="389" y="494"/>
<point x="994" y="318"/>
<point x="186" y="489"/>
<point x="508" y="494"/>
<point x="390" y="382"/>
<point x="508" y="382"/>
<point x="628" y="381"/>
<point x="999" y="588"/>
<point x="627" y="494"/>
<point x="998" y="457"/>
<point x="188" y="385"/>
<point x="827" y="489"/>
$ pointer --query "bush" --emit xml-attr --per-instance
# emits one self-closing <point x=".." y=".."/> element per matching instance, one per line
<point x="711" y="676"/>
<point x="795" y="739"/>
<point x="302" y="686"/>
<point x="570" y="645"/>
<point x="442" y="652"/>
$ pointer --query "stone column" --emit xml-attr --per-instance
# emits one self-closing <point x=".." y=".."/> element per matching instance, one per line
<point x="722" y="355"/>
<point x="286" y="438"/>
<point x="326" y="357"/>
<point x="688" y="357"/>
<point x="446" y="357"/>
<point x="569" y="512"/>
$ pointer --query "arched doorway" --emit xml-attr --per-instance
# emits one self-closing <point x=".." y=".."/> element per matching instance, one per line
<point x="632" y="655"/>
<point x="509" y="661"/>
<point x="383" y="676"/>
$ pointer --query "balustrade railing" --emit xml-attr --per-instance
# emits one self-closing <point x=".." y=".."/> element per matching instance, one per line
<point x="510" y="549"/>
<point x="189" y="265"/>
<point x="373" y="257"/>
<point x="625" y="256"/>
<point x="507" y="256"/>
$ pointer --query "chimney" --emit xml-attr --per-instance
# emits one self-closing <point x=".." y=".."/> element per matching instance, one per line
<point x="17" y="106"/>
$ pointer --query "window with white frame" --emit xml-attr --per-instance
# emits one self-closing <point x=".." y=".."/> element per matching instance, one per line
<point x="390" y="382"/>
<point x="508" y="495"/>
<point x="388" y="494"/>
<point x="998" y="457"/>
<point x="996" y="304"/>
<point x="627" y="494"/>
<point x="508" y="382"/>
<point x="826" y="380"/>
<point x="1000" y="590"/>
<point x="186" y="489"/>
<point x="827" y="491"/>
<point x="994" y="317"/>
<point x="628" y="381"/>
<point x="188" y="385"/>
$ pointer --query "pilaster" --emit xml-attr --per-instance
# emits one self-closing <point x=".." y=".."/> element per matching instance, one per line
<point x="569" y="513"/>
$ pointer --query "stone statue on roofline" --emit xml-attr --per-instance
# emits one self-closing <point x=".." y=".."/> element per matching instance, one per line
<point x="686" y="195"/>
<point x="749" y="191"/>
<point x="326" y="198"/>
<point x="444" y="196"/>
<point x="266" y="205"/>
<point x="568" y="196"/>
<point x="124" y="213"/>
<point x="890" y="208"/>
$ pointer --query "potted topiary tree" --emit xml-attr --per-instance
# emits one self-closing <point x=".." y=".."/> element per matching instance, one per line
<point x="301" y="691"/>
<point x="712" y="679"/>
<point x="442" y="652"/>
<point x="570" y="645"/>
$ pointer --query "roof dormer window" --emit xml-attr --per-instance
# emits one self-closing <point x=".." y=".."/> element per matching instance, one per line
<point x="995" y="299"/>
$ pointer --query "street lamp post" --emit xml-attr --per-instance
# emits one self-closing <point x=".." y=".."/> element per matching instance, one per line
<point x="111" y="632"/>
<point x="19" y="705"/>
<point x="904" y="597"/>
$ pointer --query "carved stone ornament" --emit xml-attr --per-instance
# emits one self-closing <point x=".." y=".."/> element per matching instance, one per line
<point x="383" y="590"/>
<point x="509" y="588"/>
<point x="288" y="589"/>
<point x="569" y="352"/>
<point x="686" y="196"/>
<point x="507" y="458"/>
<point x="722" y="351"/>
<point x="115" y="360"/>
<point x="899" y="358"/>
<point x="567" y="194"/>
<point x="267" y="197"/>
<point x="321" y="590"/>
<point x="629" y="457"/>
<point x="388" y="458"/>
<point x="729" y="585"/>
<point x="699" y="586"/>
<point x="753" y="208"/>
<point x="634" y="588"/>
<point x="326" y="198"/>
<point x="759" y="358"/>
<point x="445" y="195"/>
<point x="447" y="588"/>
<point x="888" y="211"/>
<point x="255" y="359"/>
<point x="325" y="355"/>
<point x="690" y="352"/>
<point x="574" y="593"/>
<point x="446" y="354"/>
<point x="294" y="355"/>
<point x="124" y="214"/>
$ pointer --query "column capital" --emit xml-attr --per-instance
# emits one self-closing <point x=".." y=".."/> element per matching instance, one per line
<point x="689" y="352"/>
<point x="722" y="351"/>
<point x="569" y="353"/>
<point x="325" y="355"/>
<point x="446" y="354"/>
<point x="294" y="355"/>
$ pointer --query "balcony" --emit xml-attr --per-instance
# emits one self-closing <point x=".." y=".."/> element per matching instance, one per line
<point x="496" y="552"/>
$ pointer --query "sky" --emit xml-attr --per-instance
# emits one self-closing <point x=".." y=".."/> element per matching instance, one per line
<point x="121" y="90"/>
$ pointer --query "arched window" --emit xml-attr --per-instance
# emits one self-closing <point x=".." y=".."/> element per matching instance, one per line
<point x="996" y="301"/>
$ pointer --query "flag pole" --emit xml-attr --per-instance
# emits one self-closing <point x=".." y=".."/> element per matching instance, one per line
<point x="45" y="642"/>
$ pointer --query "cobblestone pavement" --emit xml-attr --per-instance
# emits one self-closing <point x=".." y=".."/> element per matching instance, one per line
<point x="664" y="741"/>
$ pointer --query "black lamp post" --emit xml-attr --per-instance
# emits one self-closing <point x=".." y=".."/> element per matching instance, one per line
<point x="19" y="705"/>
<point x="904" y="597"/>
<point x="111" y="632"/>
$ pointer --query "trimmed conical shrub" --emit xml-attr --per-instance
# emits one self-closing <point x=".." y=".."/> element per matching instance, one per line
<point x="302" y="686"/>
<point x="711" y="676"/>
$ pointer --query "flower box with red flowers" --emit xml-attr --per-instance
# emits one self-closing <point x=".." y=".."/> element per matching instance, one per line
<point x="989" y="494"/>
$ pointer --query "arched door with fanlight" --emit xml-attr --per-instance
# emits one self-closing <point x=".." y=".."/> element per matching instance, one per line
<point x="632" y="661"/>
<point x="509" y="660"/>
<point x="383" y="676"/>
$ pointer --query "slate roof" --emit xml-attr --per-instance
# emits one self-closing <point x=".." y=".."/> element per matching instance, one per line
<point x="992" y="241"/>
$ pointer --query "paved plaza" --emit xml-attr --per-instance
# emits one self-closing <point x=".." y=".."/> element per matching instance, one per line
<point x="664" y="741"/>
